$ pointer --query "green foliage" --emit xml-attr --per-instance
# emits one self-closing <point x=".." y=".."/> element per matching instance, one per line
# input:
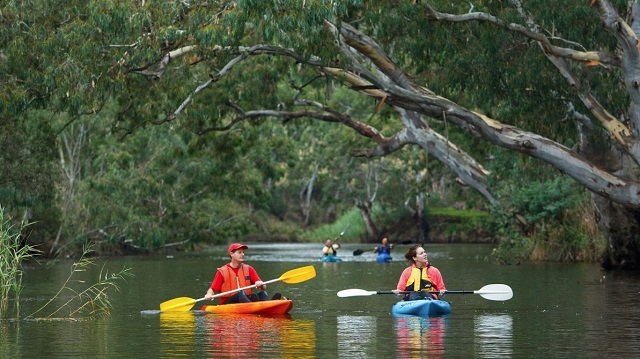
<point x="557" y="224"/>
<point x="545" y="201"/>
<point x="30" y="170"/>
<point x="350" y="220"/>
<point x="99" y="64"/>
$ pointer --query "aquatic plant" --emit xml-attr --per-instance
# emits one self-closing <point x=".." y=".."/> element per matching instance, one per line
<point x="85" y="301"/>
<point x="13" y="251"/>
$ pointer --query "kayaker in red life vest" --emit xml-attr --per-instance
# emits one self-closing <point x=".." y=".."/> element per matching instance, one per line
<point x="236" y="275"/>
<point x="420" y="278"/>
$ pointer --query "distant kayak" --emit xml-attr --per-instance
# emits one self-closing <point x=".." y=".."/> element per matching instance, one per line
<point x="383" y="258"/>
<point x="278" y="306"/>
<point x="331" y="258"/>
<point x="422" y="307"/>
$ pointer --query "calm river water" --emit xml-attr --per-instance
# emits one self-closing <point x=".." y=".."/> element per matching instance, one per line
<point x="558" y="310"/>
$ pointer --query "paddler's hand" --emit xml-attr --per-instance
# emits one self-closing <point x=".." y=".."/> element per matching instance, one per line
<point x="396" y="292"/>
<point x="260" y="285"/>
<point x="209" y="295"/>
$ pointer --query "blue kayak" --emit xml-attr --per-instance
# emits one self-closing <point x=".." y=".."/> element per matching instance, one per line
<point x="383" y="258"/>
<point x="331" y="258"/>
<point x="422" y="307"/>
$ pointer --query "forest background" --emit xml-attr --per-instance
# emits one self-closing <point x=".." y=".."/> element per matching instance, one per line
<point x="168" y="125"/>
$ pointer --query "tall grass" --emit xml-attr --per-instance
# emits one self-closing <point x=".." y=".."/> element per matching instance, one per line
<point x="80" y="299"/>
<point x="12" y="254"/>
<point x="85" y="300"/>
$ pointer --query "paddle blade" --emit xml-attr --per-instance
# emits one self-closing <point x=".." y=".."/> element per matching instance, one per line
<point x="182" y="304"/>
<point x="345" y="230"/>
<point x="499" y="292"/>
<point x="299" y="275"/>
<point x="354" y="293"/>
<point x="358" y="252"/>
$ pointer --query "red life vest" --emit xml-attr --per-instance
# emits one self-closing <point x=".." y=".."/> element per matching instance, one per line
<point x="232" y="281"/>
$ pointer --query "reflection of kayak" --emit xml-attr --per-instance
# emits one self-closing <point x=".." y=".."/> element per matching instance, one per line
<point x="422" y="307"/>
<point x="331" y="258"/>
<point x="383" y="258"/>
<point x="278" y="306"/>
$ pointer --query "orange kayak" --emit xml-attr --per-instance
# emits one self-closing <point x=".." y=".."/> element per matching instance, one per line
<point x="278" y="306"/>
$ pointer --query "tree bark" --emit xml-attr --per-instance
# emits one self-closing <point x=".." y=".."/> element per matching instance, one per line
<point x="365" y="211"/>
<point x="616" y="193"/>
<point x="305" y="196"/>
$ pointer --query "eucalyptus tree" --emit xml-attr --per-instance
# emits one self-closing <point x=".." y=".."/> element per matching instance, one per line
<point x="555" y="83"/>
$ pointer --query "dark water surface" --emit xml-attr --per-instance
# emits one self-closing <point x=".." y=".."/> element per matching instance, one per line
<point x="558" y="310"/>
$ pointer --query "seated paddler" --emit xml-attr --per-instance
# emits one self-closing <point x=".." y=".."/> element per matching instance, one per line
<point x="237" y="274"/>
<point x="423" y="280"/>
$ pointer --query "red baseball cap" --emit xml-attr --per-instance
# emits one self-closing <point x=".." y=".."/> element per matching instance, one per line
<point x="236" y="246"/>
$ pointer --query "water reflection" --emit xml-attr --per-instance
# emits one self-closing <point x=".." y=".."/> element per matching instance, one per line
<point x="588" y="316"/>
<point x="177" y="333"/>
<point x="236" y="336"/>
<point x="420" y="337"/>
<point x="356" y="336"/>
<point x="494" y="336"/>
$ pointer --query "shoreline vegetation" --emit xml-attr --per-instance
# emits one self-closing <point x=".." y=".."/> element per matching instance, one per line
<point x="85" y="298"/>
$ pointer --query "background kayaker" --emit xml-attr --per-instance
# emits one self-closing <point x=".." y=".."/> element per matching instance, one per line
<point x="421" y="278"/>
<point x="384" y="247"/>
<point x="237" y="274"/>
<point x="330" y="249"/>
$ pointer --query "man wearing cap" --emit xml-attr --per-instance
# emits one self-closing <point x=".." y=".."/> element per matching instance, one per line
<point x="236" y="275"/>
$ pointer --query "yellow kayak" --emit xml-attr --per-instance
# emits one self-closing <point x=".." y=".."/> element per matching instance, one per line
<point x="278" y="306"/>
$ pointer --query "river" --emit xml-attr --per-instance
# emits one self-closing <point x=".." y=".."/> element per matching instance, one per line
<point x="558" y="310"/>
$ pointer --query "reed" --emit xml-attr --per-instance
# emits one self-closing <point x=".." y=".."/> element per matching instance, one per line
<point x="80" y="299"/>
<point x="13" y="252"/>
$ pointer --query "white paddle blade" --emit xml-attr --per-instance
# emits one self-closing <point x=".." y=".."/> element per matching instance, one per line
<point x="354" y="293"/>
<point x="496" y="292"/>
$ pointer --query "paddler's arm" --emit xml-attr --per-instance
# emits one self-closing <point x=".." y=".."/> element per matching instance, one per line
<point x="217" y="284"/>
<point x="255" y="279"/>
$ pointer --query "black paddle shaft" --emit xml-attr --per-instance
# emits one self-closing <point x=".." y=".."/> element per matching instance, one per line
<point x="390" y="292"/>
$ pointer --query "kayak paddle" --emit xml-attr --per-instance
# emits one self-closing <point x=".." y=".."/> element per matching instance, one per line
<point x="342" y="233"/>
<point x="358" y="252"/>
<point x="184" y="304"/>
<point x="499" y="292"/>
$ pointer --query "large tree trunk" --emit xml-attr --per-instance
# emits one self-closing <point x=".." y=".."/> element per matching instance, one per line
<point x="305" y="196"/>
<point x="616" y="192"/>
<point x="365" y="210"/>
<point x="622" y="227"/>
<point x="374" y="73"/>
